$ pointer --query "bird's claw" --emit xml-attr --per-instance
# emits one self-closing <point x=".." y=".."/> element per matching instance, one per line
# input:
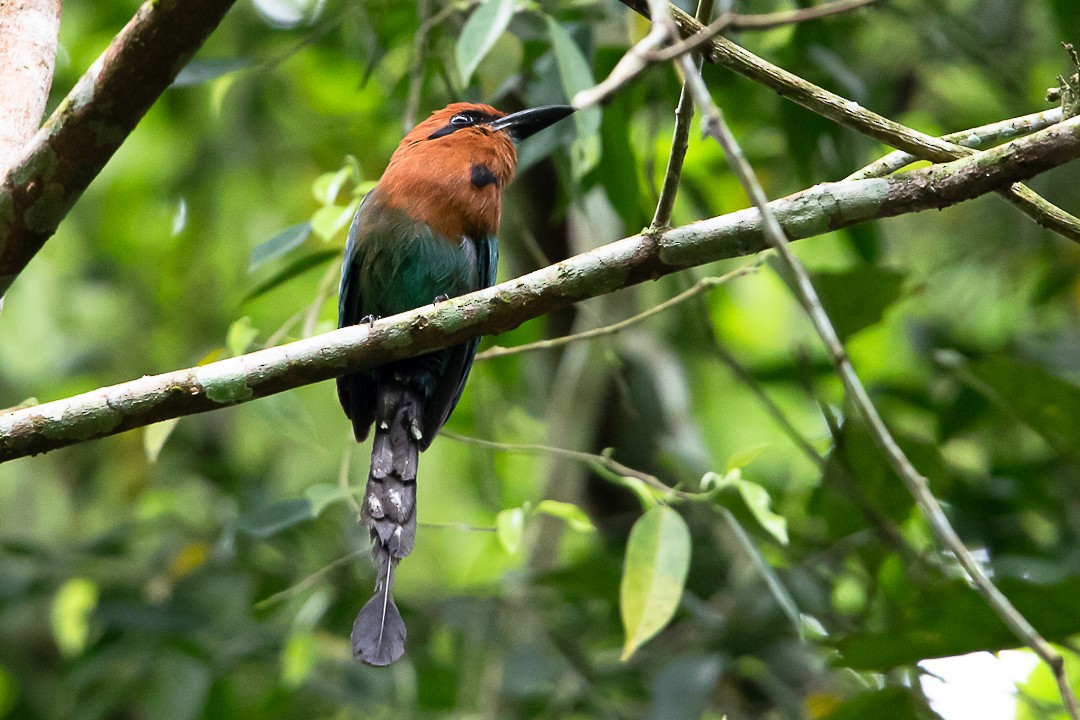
<point x="440" y="298"/>
<point x="369" y="320"/>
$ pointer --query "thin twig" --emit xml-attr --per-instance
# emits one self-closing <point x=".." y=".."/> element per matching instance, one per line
<point x="309" y="580"/>
<point x="696" y="41"/>
<point x="278" y="335"/>
<point x="592" y="459"/>
<point x="973" y="138"/>
<point x="844" y="475"/>
<point x="850" y="114"/>
<point x="680" y="137"/>
<point x="630" y="65"/>
<point x="680" y="140"/>
<point x="459" y="526"/>
<point x="343" y="477"/>
<point x="706" y="283"/>
<point x="648" y="51"/>
<point x="714" y="125"/>
<point x="767" y="21"/>
<point x="750" y="382"/>
<point x="322" y="292"/>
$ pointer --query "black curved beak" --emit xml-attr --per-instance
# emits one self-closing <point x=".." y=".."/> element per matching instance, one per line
<point x="521" y="125"/>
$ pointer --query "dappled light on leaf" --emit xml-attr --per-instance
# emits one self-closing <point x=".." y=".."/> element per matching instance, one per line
<point x="654" y="571"/>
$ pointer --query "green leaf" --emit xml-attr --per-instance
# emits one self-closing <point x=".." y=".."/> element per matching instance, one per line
<point x="298" y="658"/>
<point x="744" y="457"/>
<point x="647" y="496"/>
<point x="657" y="561"/>
<point x="509" y="527"/>
<point x="75" y="601"/>
<point x="323" y="495"/>
<point x="858" y="297"/>
<point x="755" y="497"/>
<point x="328" y="221"/>
<point x="292" y="270"/>
<point x="1039" y="693"/>
<point x="948" y="618"/>
<point x="574" y="516"/>
<point x="1047" y="403"/>
<point x="240" y="336"/>
<point x="154" y="437"/>
<point x="281" y="243"/>
<point x="271" y="519"/>
<point x="576" y="75"/>
<point x="327" y="186"/>
<point x="201" y="71"/>
<point x="482" y="29"/>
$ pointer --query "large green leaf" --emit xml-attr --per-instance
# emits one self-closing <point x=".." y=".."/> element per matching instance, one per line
<point x="949" y="618"/>
<point x="271" y="519"/>
<point x="1050" y="405"/>
<point x="857" y="297"/>
<point x="576" y="75"/>
<point x="482" y="29"/>
<point x="657" y="560"/>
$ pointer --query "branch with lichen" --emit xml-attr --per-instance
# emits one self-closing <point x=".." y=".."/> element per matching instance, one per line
<point x="850" y="114"/>
<point x="820" y="209"/>
<point x="918" y="486"/>
<point x="83" y="133"/>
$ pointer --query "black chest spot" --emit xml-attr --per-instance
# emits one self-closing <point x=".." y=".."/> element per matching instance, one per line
<point x="482" y="176"/>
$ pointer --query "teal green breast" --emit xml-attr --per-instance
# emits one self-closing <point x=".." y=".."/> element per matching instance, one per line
<point x="394" y="264"/>
<point x="404" y="265"/>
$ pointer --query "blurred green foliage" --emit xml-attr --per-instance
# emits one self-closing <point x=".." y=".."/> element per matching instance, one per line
<point x="211" y="568"/>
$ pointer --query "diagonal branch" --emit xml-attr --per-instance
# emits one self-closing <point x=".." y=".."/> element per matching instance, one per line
<point x="850" y="114"/>
<point x="702" y="285"/>
<point x="61" y="160"/>
<point x="28" y="34"/>
<point x="714" y="125"/>
<point x="825" y="207"/>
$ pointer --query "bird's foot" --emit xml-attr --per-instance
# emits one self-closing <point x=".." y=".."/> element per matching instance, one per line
<point x="440" y="298"/>
<point x="369" y="320"/>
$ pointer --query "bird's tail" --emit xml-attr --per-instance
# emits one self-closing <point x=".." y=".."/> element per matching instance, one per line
<point x="389" y="511"/>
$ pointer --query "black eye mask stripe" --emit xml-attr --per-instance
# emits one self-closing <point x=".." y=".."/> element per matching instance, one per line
<point x="474" y="117"/>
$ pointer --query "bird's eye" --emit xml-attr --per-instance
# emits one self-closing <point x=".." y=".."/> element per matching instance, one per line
<point x="460" y="119"/>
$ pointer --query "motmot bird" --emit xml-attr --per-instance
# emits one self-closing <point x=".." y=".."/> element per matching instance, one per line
<point x="425" y="233"/>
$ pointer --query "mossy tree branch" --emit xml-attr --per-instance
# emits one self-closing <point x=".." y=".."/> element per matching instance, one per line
<point x="850" y="114"/>
<point x="83" y="133"/>
<point x="633" y="260"/>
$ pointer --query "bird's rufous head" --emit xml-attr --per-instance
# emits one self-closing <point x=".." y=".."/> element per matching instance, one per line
<point x="451" y="169"/>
